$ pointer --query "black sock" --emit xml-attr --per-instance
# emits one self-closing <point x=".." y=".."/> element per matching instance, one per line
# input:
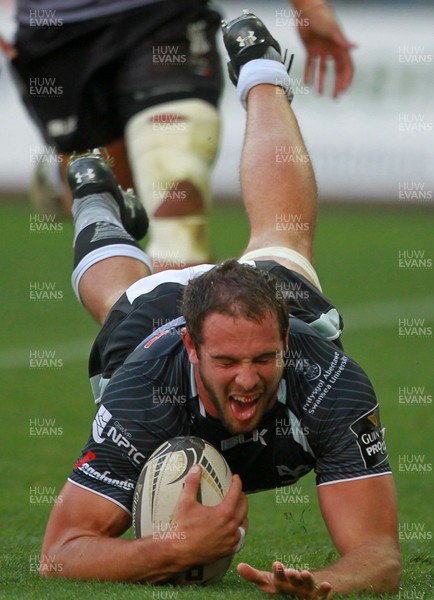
<point x="100" y="234"/>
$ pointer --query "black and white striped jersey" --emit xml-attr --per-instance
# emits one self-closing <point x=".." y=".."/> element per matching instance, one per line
<point x="326" y="418"/>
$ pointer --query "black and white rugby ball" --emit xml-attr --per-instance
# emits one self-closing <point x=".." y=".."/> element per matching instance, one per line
<point x="158" y="490"/>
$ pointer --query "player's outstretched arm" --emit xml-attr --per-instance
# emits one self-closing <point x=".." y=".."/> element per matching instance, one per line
<point x="82" y="537"/>
<point x="361" y="516"/>
<point x="323" y="39"/>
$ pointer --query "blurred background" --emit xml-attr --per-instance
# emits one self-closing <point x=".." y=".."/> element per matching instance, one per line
<point x="373" y="152"/>
<point x="369" y="145"/>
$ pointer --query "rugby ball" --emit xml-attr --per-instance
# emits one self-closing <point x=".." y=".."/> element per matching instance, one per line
<point x="158" y="490"/>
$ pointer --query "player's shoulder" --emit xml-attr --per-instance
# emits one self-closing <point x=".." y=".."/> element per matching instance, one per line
<point x="305" y="301"/>
<point x="309" y="336"/>
<point x="321" y="377"/>
<point x="163" y="342"/>
<point x="158" y="366"/>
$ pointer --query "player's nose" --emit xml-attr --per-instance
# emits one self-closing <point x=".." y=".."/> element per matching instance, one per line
<point x="247" y="377"/>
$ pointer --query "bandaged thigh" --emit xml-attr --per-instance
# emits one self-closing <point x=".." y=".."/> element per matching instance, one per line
<point x="289" y="254"/>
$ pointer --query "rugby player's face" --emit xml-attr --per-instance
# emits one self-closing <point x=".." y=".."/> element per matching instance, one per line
<point x="238" y="371"/>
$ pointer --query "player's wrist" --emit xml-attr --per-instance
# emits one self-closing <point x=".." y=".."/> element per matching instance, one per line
<point x="167" y="556"/>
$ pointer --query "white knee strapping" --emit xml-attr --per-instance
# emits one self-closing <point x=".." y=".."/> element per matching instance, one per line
<point x="167" y="144"/>
<point x="287" y="254"/>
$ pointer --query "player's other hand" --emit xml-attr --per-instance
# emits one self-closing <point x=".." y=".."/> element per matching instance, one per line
<point x="211" y="532"/>
<point x="8" y="50"/>
<point x="323" y="39"/>
<point x="282" y="580"/>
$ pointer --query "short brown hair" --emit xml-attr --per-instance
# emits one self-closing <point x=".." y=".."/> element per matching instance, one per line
<point x="233" y="289"/>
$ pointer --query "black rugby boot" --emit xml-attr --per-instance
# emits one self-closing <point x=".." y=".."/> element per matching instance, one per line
<point x="246" y="38"/>
<point x="91" y="173"/>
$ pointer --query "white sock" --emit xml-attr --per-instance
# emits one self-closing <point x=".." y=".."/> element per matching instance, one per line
<point x="262" y="70"/>
<point x="95" y="208"/>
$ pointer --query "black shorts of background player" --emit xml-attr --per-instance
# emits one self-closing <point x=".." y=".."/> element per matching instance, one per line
<point x="145" y="78"/>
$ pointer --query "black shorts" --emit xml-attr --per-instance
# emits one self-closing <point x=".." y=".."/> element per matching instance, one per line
<point x="83" y="81"/>
<point x="147" y="306"/>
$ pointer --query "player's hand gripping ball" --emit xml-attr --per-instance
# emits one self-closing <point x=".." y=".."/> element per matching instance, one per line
<point x="160" y="485"/>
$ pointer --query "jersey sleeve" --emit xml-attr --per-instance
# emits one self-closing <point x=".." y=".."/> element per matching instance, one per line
<point x="351" y="443"/>
<point x="139" y="410"/>
<point x="339" y="409"/>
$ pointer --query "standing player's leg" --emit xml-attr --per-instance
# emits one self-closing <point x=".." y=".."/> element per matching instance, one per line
<point x="107" y="223"/>
<point x="172" y="147"/>
<point x="76" y="59"/>
<point x="277" y="179"/>
<point x="172" y="130"/>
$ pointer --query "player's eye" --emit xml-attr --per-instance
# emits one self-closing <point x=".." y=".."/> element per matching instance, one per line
<point x="226" y="363"/>
<point x="265" y="360"/>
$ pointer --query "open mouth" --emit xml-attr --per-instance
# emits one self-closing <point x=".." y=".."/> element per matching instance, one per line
<point x="244" y="407"/>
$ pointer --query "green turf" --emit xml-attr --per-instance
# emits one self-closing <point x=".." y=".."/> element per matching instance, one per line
<point x="357" y="258"/>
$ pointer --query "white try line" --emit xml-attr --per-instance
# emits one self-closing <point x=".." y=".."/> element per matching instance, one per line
<point x="374" y="315"/>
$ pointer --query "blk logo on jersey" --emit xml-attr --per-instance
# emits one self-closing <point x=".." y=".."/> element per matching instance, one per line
<point x="244" y="438"/>
<point x="370" y="438"/>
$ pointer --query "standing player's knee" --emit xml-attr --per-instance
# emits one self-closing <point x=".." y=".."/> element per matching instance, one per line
<point x="172" y="148"/>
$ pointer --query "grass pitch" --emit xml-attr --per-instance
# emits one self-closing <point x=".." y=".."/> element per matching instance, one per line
<point x="47" y="411"/>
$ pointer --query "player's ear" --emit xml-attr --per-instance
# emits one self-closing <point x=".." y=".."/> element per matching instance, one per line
<point x="190" y="347"/>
